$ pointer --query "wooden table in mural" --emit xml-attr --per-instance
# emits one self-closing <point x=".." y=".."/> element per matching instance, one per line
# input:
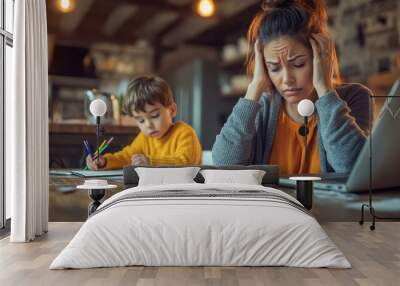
<point x="330" y="206"/>
<point x="66" y="203"/>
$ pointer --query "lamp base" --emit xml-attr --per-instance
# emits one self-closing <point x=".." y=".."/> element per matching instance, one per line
<point x="304" y="193"/>
<point x="372" y="212"/>
<point x="96" y="195"/>
<point x="305" y="189"/>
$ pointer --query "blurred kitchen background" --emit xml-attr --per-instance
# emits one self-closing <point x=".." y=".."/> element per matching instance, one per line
<point x="199" y="47"/>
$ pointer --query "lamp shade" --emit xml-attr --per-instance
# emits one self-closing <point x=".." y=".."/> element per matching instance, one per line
<point x="98" y="107"/>
<point x="305" y="108"/>
<point x="205" y="8"/>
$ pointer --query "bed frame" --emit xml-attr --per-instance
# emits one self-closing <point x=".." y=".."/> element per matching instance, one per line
<point x="271" y="176"/>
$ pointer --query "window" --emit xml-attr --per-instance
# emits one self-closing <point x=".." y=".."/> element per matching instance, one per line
<point x="6" y="64"/>
<point x="9" y="16"/>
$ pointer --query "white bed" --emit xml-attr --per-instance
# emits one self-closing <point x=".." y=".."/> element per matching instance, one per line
<point x="201" y="224"/>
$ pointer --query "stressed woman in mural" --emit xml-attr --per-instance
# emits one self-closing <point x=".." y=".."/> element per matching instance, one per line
<point x="293" y="58"/>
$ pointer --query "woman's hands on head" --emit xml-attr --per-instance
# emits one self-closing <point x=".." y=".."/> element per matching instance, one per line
<point x="322" y="47"/>
<point x="261" y="81"/>
<point x="323" y="64"/>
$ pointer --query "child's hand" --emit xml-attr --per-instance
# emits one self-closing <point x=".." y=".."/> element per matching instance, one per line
<point x="92" y="163"/>
<point x="140" y="159"/>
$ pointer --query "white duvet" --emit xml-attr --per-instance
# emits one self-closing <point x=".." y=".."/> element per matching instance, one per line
<point x="185" y="230"/>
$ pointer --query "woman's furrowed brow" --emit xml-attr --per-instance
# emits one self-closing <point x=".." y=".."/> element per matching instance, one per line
<point x="295" y="57"/>
<point x="290" y="59"/>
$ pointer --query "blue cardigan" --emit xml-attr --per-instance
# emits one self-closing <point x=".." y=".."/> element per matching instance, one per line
<point x="343" y="125"/>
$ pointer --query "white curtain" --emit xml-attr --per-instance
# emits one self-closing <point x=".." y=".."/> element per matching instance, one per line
<point x="27" y="124"/>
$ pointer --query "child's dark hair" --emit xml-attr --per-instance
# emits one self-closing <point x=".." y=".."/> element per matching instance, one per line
<point x="147" y="90"/>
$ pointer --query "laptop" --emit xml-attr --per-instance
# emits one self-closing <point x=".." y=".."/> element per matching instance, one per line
<point x="385" y="155"/>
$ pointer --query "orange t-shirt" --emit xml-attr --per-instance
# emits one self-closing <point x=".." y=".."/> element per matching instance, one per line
<point x="288" y="147"/>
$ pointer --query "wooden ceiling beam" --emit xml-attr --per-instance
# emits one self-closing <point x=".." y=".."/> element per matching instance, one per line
<point x="170" y="27"/>
<point x="95" y="18"/>
<point x="148" y="10"/>
<point x="216" y="36"/>
<point x="160" y="5"/>
<point x="84" y="40"/>
<point x="128" y="31"/>
<point x="178" y="21"/>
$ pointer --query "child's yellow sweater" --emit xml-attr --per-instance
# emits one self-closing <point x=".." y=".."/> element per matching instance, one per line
<point x="180" y="146"/>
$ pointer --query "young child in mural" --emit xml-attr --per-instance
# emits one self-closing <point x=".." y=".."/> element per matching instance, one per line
<point x="160" y="141"/>
<point x="293" y="58"/>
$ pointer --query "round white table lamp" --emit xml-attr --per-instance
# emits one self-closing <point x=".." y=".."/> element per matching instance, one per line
<point x="305" y="108"/>
<point x="98" y="108"/>
<point x="304" y="185"/>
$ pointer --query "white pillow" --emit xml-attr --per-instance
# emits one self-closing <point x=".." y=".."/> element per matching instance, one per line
<point x="164" y="176"/>
<point x="248" y="177"/>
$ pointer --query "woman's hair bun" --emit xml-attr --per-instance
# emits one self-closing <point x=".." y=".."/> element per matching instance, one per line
<point x="268" y="5"/>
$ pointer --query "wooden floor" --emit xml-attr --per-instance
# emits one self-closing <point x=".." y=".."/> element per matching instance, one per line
<point x="374" y="255"/>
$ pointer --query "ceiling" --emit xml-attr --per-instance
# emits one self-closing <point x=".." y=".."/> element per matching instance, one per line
<point x="164" y="23"/>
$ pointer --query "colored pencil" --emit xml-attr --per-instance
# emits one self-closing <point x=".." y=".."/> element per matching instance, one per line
<point x="90" y="149"/>
<point x="101" y="146"/>
<point x="105" y="146"/>
<point x="87" y="148"/>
